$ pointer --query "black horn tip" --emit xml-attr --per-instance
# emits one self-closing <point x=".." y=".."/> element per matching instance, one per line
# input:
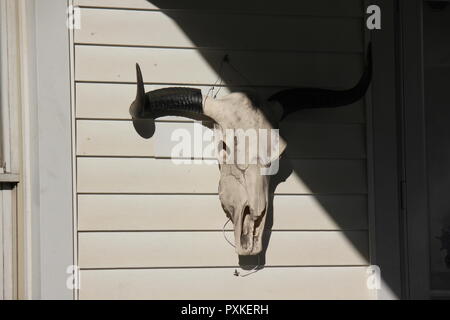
<point x="139" y="74"/>
<point x="139" y="105"/>
<point x="140" y="83"/>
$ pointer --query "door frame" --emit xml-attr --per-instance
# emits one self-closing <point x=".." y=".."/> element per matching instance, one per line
<point x="55" y="145"/>
<point x="383" y="145"/>
<point x="45" y="226"/>
<point x="414" y="160"/>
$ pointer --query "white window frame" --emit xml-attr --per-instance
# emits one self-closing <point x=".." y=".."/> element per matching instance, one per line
<point x="9" y="164"/>
<point x="38" y="149"/>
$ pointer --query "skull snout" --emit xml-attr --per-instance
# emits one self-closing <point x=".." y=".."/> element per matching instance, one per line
<point x="248" y="229"/>
<point x="246" y="236"/>
<point x="244" y="196"/>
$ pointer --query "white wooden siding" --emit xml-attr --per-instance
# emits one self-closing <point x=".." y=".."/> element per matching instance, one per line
<point x="204" y="248"/>
<point x="112" y="100"/>
<point x="219" y="283"/>
<point x="144" y="175"/>
<point x="256" y="32"/>
<point x="203" y="212"/>
<point x="118" y="138"/>
<point x="331" y="8"/>
<point x="188" y="66"/>
<point x="150" y="229"/>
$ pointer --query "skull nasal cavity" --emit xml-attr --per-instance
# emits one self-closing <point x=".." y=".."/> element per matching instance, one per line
<point x="246" y="231"/>
<point x="245" y="218"/>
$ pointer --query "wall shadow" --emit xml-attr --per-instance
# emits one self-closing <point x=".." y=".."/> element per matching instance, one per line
<point x="309" y="64"/>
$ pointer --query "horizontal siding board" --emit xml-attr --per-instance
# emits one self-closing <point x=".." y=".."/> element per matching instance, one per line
<point x="219" y="283"/>
<point x="115" y="175"/>
<point x="119" y="138"/>
<point x="324" y="176"/>
<point x="142" y="175"/>
<point x="205" y="30"/>
<point x="333" y="8"/>
<point x="304" y="140"/>
<point x="202" y="249"/>
<point x="204" y="212"/>
<point x="324" y="140"/>
<point x="111" y="138"/>
<point x="112" y="101"/>
<point x="192" y="66"/>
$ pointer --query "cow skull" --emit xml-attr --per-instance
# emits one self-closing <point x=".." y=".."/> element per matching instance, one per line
<point x="244" y="182"/>
<point x="249" y="149"/>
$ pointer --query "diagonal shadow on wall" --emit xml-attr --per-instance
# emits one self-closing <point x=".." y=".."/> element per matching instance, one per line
<point x="265" y="58"/>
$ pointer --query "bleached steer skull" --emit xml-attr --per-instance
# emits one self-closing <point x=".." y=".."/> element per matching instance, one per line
<point x="244" y="125"/>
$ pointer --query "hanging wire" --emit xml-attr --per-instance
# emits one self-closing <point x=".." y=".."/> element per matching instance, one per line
<point x="224" y="235"/>
<point x="220" y="87"/>
<point x="219" y="81"/>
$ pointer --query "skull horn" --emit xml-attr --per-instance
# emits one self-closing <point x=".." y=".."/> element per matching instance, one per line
<point x="164" y="102"/>
<point x="296" y="99"/>
<point x="139" y="105"/>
